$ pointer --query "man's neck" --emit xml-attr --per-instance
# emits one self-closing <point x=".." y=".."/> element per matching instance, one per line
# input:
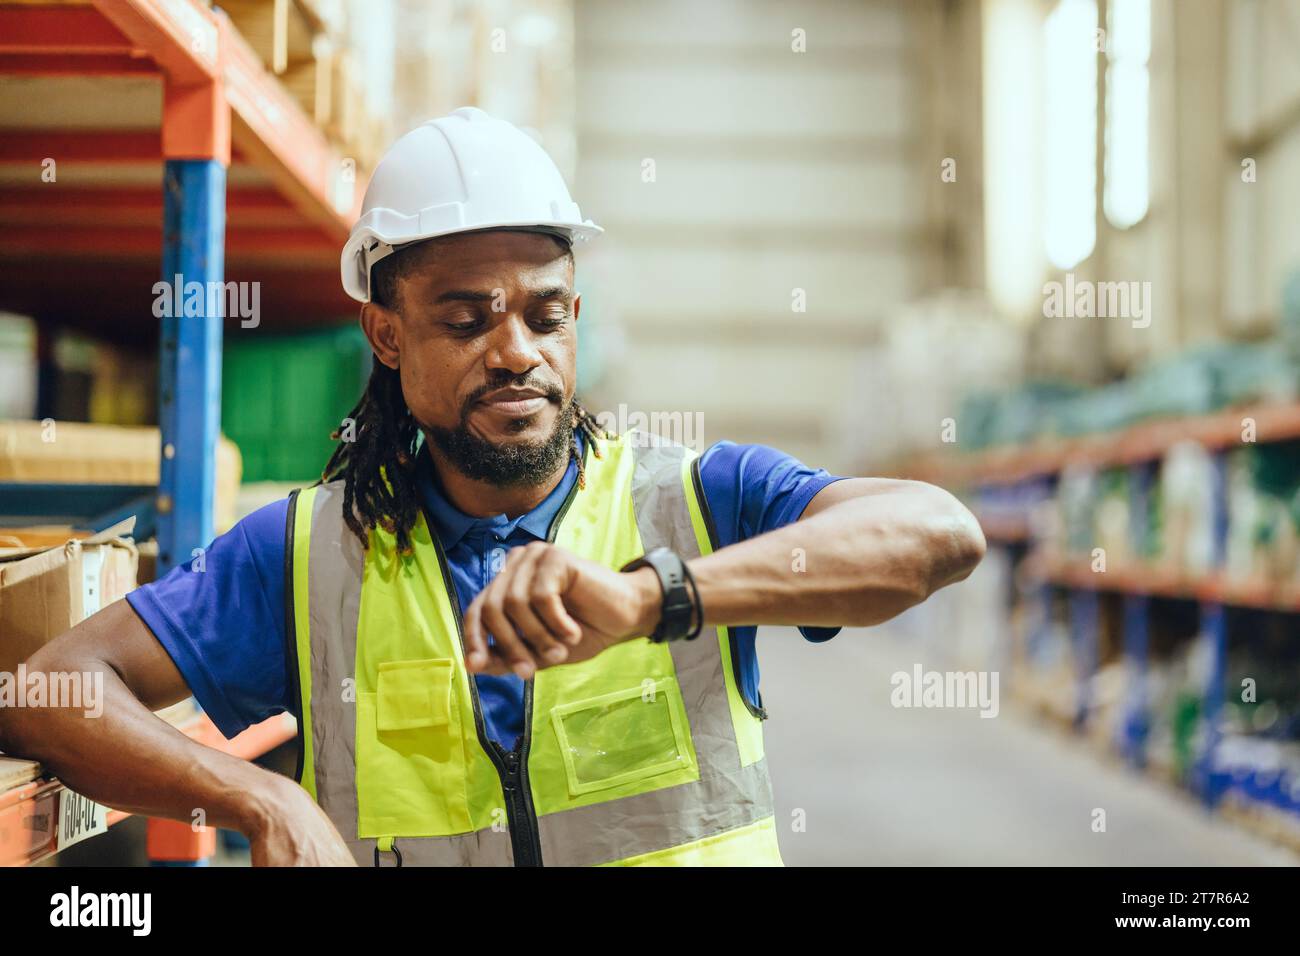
<point x="481" y="499"/>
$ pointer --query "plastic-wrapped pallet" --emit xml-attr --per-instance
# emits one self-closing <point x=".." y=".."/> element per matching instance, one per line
<point x="1187" y="503"/>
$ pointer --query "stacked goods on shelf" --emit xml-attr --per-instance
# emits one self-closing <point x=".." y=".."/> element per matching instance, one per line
<point x="1042" y="666"/>
<point x="1258" y="769"/>
<point x="1112" y="521"/>
<point x="1263" y="513"/>
<point x="309" y="48"/>
<point x="17" y="366"/>
<point x="123" y="387"/>
<point x="1196" y="382"/>
<point x="1175" y="682"/>
<point x="1259" y="756"/>
<point x="1093" y="509"/>
<point x="992" y="420"/>
<point x="84" y="379"/>
<point x="56" y="453"/>
<point x="1107" y="694"/>
<point x="310" y="80"/>
<point x="365" y="73"/>
<point x="1078" y="494"/>
<point x="1186" y="487"/>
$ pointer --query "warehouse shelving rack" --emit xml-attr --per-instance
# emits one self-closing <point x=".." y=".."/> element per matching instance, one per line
<point x="1005" y="485"/>
<point x="169" y="141"/>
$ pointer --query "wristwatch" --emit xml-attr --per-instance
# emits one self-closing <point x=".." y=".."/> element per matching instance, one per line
<point x="679" y="611"/>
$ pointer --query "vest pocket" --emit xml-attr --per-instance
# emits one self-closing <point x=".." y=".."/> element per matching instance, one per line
<point x="410" y="761"/>
<point x="413" y="694"/>
<point x="624" y="736"/>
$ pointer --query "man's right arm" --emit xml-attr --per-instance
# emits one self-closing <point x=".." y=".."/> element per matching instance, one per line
<point x="129" y="759"/>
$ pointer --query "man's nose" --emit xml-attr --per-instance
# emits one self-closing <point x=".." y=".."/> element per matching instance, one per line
<point x="512" y="347"/>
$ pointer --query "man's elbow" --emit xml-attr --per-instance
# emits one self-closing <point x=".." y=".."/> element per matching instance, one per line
<point x="955" y="541"/>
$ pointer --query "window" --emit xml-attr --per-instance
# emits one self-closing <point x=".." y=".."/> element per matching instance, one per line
<point x="1070" y="135"/>
<point x="1126" y="194"/>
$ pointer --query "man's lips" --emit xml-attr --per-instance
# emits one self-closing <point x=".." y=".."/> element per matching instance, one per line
<point x="514" y="401"/>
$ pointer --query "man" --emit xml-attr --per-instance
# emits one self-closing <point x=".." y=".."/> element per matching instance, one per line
<point x="509" y="637"/>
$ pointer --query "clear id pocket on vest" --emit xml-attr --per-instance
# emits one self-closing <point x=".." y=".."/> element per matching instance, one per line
<point x="623" y="736"/>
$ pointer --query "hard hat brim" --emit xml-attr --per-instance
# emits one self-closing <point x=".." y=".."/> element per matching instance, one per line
<point x="356" y="273"/>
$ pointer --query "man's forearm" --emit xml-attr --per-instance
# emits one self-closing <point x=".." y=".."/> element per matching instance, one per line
<point x="858" y="562"/>
<point x="129" y="759"/>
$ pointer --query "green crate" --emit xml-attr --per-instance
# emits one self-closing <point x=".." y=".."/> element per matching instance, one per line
<point x="282" y="395"/>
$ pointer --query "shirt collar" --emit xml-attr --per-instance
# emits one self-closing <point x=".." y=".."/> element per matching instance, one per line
<point x="452" y="525"/>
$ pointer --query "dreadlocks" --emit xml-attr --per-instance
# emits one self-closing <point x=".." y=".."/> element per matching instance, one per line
<point x="384" y="443"/>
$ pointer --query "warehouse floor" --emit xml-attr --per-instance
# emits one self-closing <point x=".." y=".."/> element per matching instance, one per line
<point x="879" y="785"/>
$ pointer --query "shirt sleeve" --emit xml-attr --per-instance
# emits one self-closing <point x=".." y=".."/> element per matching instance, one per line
<point x="222" y="621"/>
<point x="753" y="489"/>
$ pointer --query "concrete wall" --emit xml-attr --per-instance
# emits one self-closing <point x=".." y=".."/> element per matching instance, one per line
<point x="773" y="170"/>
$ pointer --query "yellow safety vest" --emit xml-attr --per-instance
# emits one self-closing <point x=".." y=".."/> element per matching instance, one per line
<point x="646" y="754"/>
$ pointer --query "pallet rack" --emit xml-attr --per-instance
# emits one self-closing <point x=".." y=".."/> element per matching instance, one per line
<point x="168" y="140"/>
<point x="1005" y="484"/>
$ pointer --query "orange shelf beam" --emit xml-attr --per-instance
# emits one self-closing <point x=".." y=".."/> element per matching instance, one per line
<point x="1154" y="581"/>
<point x="1144" y="442"/>
<point x="194" y="46"/>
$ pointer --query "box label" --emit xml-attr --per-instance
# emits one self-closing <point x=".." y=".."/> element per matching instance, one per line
<point x="79" y="818"/>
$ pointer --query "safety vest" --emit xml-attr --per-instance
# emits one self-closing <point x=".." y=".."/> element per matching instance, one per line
<point x="645" y="754"/>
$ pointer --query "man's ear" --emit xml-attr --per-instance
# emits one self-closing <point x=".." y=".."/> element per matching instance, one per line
<point x="577" y="305"/>
<point x="383" y="328"/>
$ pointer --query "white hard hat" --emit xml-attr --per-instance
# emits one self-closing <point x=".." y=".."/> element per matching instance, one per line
<point x="460" y="173"/>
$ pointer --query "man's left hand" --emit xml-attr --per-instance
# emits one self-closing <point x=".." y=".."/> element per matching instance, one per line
<point x="548" y="606"/>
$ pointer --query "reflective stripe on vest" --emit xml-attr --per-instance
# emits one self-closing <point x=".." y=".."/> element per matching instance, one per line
<point x="646" y="754"/>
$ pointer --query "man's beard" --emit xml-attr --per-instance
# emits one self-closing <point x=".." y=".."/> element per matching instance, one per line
<point x="519" y="464"/>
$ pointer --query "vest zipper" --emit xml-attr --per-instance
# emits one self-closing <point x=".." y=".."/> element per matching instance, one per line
<point x="511" y="765"/>
<point x="519" y="810"/>
<point x="525" y="839"/>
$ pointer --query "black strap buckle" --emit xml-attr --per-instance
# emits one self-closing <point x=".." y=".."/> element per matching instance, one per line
<point x="396" y="852"/>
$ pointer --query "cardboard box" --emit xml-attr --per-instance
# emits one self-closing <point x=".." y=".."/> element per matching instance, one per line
<point x="46" y="592"/>
<point x="39" y="537"/>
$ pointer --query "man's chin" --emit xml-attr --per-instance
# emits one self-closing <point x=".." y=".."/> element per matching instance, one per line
<point x="506" y="450"/>
<point x="512" y="430"/>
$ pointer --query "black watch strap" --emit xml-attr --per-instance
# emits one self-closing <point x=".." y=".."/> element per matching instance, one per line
<point x="678" y="611"/>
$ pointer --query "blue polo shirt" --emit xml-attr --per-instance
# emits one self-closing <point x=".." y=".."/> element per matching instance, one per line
<point x="224" y="626"/>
